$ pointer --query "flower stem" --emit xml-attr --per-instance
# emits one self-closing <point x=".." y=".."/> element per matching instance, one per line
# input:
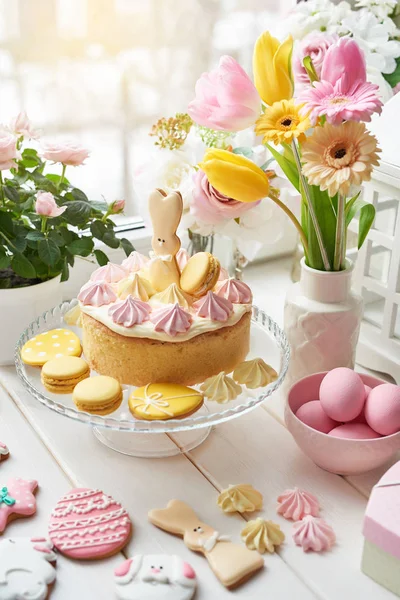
<point x="340" y="234"/>
<point x="324" y="254"/>
<point x="3" y="201"/>
<point x="61" y="181"/>
<point x="44" y="222"/>
<point x="294" y="220"/>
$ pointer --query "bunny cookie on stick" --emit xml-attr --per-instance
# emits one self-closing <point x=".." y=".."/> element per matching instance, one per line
<point x="231" y="563"/>
<point x="165" y="212"/>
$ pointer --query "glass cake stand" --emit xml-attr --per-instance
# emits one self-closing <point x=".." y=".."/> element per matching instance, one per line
<point x="121" y="431"/>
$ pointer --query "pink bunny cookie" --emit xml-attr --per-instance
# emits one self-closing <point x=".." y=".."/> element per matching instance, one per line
<point x="26" y="568"/>
<point x="165" y="212"/>
<point x="155" y="577"/>
<point x="17" y="500"/>
<point x="232" y="564"/>
<point x="87" y="524"/>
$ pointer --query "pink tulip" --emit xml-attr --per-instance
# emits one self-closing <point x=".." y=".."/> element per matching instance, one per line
<point x="46" y="206"/>
<point x="8" y="150"/>
<point x="315" y="45"/>
<point x="67" y="152"/>
<point x="21" y="125"/>
<point x="117" y="207"/>
<point x="343" y="93"/>
<point x="212" y="207"/>
<point x="226" y="99"/>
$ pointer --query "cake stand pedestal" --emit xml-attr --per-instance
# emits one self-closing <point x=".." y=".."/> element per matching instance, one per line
<point x="151" y="445"/>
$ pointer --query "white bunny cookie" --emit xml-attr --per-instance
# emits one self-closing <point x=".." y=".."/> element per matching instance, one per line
<point x="232" y="564"/>
<point x="155" y="577"/>
<point x="165" y="212"/>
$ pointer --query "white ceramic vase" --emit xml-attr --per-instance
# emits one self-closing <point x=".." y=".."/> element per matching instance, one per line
<point x="322" y="322"/>
<point x="19" y="307"/>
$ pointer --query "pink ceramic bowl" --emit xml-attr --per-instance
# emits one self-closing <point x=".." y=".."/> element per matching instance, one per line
<point x="344" y="457"/>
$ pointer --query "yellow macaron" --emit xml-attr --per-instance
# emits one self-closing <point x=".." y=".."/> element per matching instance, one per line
<point x="200" y="274"/>
<point x="50" y="344"/>
<point x="100" y="395"/>
<point x="60" y="375"/>
<point x="162" y="401"/>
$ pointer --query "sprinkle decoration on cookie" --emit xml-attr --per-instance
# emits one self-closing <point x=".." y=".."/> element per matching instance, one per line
<point x="87" y="524"/>
<point x="17" y="500"/>
<point x="26" y="568"/>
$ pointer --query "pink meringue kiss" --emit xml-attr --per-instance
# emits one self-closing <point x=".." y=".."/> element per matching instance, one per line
<point x="134" y="262"/>
<point x="235" y="291"/>
<point x="130" y="312"/>
<point x="172" y="319"/>
<point x="312" y="533"/>
<point x="296" y="504"/>
<point x="111" y="273"/>
<point x="213" y="307"/>
<point x="96" y="293"/>
<point x="182" y="258"/>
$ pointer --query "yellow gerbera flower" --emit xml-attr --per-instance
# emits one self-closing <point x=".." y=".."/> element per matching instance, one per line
<point x="282" y="122"/>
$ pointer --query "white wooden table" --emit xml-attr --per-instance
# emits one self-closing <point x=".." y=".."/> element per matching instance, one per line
<point x="255" y="448"/>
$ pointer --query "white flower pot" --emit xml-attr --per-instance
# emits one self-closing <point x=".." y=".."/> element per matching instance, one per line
<point x="322" y="322"/>
<point x="20" y="306"/>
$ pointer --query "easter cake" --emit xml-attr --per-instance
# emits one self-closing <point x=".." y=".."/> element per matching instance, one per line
<point x="166" y="318"/>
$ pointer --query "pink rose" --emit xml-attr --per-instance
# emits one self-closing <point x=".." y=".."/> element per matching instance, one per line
<point x="21" y="125"/>
<point x="46" y="206"/>
<point x="67" y="152"/>
<point x="212" y="207"/>
<point x="117" y="207"/>
<point x="314" y="45"/>
<point x="226" y="99"/>
<point x="8" y="150"/>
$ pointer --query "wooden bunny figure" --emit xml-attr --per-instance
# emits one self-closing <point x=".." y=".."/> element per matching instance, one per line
<point x="165" y="212"/>
<point x="232" y="564"/>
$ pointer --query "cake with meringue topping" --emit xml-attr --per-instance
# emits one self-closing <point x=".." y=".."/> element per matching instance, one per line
<point x="140" y="336"/>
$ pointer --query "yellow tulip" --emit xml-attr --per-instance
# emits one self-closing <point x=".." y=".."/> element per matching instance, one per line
<point x="234" y="175"/>
<point x="272" y="68"/>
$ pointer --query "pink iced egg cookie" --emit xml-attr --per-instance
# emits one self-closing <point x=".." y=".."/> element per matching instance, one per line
<point x="342" y="394"/>
<point x="382" y="409"/>
<point x="88" y="524"/>
<point x="354" y="431"/>
<point x="313" y="415"/>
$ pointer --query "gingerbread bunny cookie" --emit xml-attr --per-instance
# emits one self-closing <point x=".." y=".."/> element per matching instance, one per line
<point x="165" y="212"/>
<point x="231" y="563"/>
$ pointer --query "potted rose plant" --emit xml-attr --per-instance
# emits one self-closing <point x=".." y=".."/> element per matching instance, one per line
<point x="45" y="223"/>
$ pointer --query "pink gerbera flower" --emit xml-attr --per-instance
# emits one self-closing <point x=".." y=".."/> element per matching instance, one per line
<point x="343" y="94"/>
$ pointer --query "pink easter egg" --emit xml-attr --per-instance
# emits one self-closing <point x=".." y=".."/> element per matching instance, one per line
<point x="342" y="394"/>
<point x="382" y="409"/>
<point x="313" y="415"/>
<point x="354" y="431"/>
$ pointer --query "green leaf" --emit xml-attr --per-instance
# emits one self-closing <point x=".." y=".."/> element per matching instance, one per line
<point x="244" y="151"/>
<point x="68" y="235"/>
<point x="110" y="240"/>
<point x="327" y="221"/>
<point x="54" y="178"/>
<point x="79" y="195"/>
<point x="30" y="158"/>
<point x="393" y="78"/>
<point x="23" y="267"/>
<point x="5" y="284"/>
<point x="126" y="246"/>
<point x="35" y="235"/>
<point x="367" y="215"/>
<point x="101" y="257"/>
<point x="6" y="223"/>
<point x="99" y="205"/>
<point x="5" y="260"/>
<point x="78" y="212"/>
<point x="70" y="259"/>
<point x="98" y="229"/>
<point x="49" y="252"/>
<point x="20" y="243"/>
<point x="309" y="67"/>
<point x="11" y="193"/>
<point x="42" y="183"/>
<point x="287" y="167"/>
<point x="65" y="271"/>
<point x="57" y="238"/>
<point x="83" y="246"/>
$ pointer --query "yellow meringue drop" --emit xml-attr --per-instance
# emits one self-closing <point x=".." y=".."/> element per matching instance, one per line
<point x="262" y="535"/>
<point x="221" y="388"/>
<point x="254" y="373"/>
<point x="73" y="316"/>
<point x="172" y="295"/>
<point x="135" y="286"/>
<point x="240" y="498"/>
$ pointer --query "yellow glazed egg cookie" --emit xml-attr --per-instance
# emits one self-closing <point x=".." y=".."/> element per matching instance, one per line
<point x="100" y="395"/>
<point x="164" y="401"/>
<point x="60" y="375"/>
<point x="51" y="344"/>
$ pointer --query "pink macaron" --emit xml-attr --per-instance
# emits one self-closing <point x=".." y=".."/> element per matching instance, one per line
<point x="354" y="431"/>
<point x="313" y="415"/>
<point x="382" y="409"/>
<point x="342" y="394"/>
